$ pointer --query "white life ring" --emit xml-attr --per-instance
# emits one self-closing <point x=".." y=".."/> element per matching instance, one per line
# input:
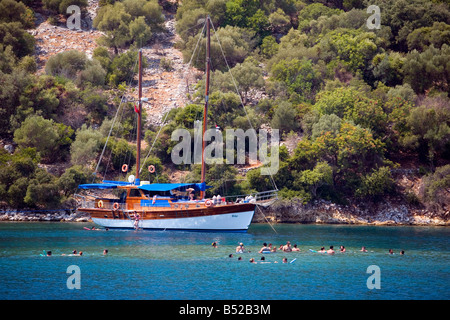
<point x="208" y="203"/>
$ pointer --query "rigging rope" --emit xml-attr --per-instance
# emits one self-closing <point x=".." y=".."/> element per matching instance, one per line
<point x="114" y="121"/>
<point x="167" y="113"/>
<point x="237" y="91"/>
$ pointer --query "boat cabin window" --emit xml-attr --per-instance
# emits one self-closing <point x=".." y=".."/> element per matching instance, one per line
<point x="150" y="194"/>
<point x="135" y="193"/>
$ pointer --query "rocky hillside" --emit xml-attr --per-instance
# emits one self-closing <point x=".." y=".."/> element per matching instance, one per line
<point x="166" y="89"/>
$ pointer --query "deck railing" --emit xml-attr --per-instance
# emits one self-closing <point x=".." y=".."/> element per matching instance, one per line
<point x="264" y="198"/>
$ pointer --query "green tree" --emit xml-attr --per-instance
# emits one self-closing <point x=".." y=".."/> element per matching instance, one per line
<point x="429" y="129"/>
<point x="14" y="11"/>
<point x="122" y="67"/>
<point x="269" y="47"/>
<point x="236" y="43"/>
<point x="436" y="185"/>
<point x="42" y="190"/>
<point x="404" y="16"/>
<point x="140" y="32"/>
<point x="12" y="34"/>
<point x="60" y="6"/>
<point x="436" y="35"/>
<point x="69" y="181"/>
<point x="376" y="184"/>
<point x="327" y="123"/>
<point x="354" y="48"/>
<point x="114" y="21"/>
<point x="312" y="180"/>
<point x="429" y="69"/>
<point x="248" y="75"/>
<point x="279" y="21"/>
<point x="299" y="76"/>
<point x="350" y="104"/>
<point x="85" y="147"/>
<point x="46" y="136"/>
<point x="388" y="68"/>
<point x="285" y="118"/>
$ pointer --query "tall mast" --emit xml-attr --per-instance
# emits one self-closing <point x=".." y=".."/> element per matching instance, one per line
<point x="205" y="110"/>
<point x="138" y="138"/>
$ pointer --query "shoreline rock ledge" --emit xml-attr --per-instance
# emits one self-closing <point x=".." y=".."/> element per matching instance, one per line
<point x="325" y="212"/>
<point x="62" y="215"/>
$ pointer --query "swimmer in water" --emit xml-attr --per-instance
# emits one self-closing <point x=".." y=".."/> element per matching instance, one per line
<point x="264" y="248"/>
<point x="240" y="248"/>
<point x="331" y="250"/>
<point x="287" y="247"/>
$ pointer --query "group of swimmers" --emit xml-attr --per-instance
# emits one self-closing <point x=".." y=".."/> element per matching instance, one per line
<point x="74" y="253"/>
<point x="269" y="248"/>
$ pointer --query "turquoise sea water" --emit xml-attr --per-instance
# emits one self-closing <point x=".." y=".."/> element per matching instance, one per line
<point x="173" y="265"/>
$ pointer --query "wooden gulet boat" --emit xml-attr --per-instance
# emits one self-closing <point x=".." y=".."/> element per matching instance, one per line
<point x="159" y="205"/>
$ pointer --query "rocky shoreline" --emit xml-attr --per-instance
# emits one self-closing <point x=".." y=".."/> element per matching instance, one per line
<point x="282" y="211"/>
<point x="63" y="215"/>
<point x="326" y="212"/>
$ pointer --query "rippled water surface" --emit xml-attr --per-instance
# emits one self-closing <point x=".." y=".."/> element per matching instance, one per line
<point x="183" y="265"/>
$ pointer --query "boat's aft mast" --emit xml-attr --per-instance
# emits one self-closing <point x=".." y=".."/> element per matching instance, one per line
<point x="138" y="138"/>
<point x="205" y="110"/>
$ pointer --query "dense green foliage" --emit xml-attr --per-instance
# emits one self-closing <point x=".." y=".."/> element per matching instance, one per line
<point x="360" y="97"/>
<point x="358" y="100"/>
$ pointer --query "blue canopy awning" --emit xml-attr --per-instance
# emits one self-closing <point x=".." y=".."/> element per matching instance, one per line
<point x="148" y="187"/>
<point x="106" y="184"/>
<point x="173" y="186"/>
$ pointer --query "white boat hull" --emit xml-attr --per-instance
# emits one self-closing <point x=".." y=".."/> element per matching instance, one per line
<point x="239" y="221"/>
